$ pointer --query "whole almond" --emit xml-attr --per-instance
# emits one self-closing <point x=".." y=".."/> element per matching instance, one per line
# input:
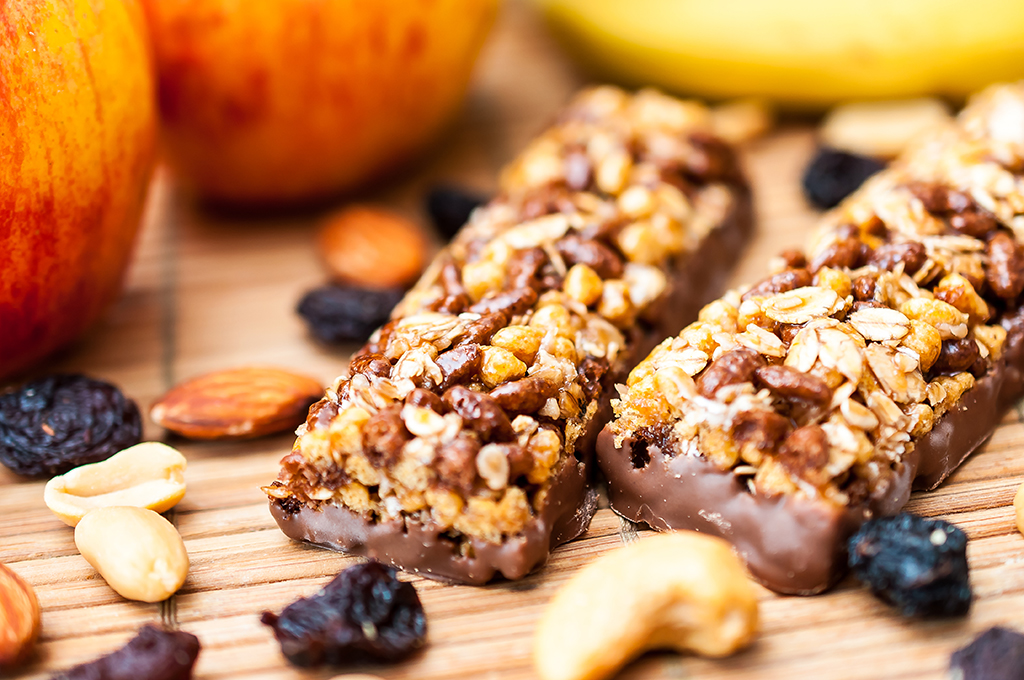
<point x="373" y="248"/>
<point x="19" y="619"/>
<point x="238" y="403"/>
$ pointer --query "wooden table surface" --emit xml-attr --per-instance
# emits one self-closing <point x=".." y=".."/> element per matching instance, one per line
<point x="209" y="291"/>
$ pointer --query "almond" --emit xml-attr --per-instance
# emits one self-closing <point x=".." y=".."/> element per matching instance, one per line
<point x="238" y="403"/>
<point x="19" y="619"/>
<point x="373" y="248"/>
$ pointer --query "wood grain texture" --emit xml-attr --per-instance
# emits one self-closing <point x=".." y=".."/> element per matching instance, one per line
<point x="209" y="291"/>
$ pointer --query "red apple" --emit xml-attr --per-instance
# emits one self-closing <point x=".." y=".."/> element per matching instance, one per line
<point x="270" y="101"/>
<point x="77" y="148"/>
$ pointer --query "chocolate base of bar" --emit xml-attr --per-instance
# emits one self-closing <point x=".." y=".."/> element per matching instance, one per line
<point x="422" y="548"/>
<point x="798" y="545"/>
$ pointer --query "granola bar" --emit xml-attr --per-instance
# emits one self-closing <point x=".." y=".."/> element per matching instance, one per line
<point x="459" y="442"/>
<point x="878" y="359"/>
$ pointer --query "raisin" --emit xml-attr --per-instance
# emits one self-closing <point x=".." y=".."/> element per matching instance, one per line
<point x="481" y="413"/>
<point x="917" y="564"/>
<point x="833" y="175"/>
<point x="911" y="253"/>
<point x="364" y="614"/>
<point x="735" y="366"/>
<point x="996" y="654"/>
<point x="450" y="207"/>
<point x="154" y="654"/>
<point x="956" y="355"/>
<point x="786" y="280"/>
<point x="337" y="313"/>
<point x="59" y="422"/>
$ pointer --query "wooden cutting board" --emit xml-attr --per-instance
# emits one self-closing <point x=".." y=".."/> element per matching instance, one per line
<point x="209" y="291"/>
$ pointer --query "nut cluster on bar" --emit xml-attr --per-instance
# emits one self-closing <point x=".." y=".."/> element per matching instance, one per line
<point x="818" y="380"/>
<point x="461" y="410"/>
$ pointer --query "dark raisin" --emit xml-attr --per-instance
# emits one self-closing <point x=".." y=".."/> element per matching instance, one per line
<point x="956" y="355"/>
<point x="911" y="254"/>
<point x="864" y="288"/>
<point x="337" y="313"/>
<point x="364" y="614"/>
<point x="735" y="366"/>
<point x="996" y="654"/>
<point x="481" y="412"/>
<point x="833" y="175"/>
<point x="450" y="207"/>
<point x="917" y="564"/>
<point x="510" y="302"/>
<point x="786" y="280"/>
<point x="59" y="422"/>
<point x="153" y="654"/>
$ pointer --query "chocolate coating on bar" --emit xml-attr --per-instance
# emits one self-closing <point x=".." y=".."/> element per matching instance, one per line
<point x="791" y="544"/>
<point x="421" y="548"/>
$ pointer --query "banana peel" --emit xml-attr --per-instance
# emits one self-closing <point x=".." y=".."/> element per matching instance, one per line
<point x="800" y="54"/>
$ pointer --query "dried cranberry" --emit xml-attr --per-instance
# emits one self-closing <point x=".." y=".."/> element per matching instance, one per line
<point x="996" y="654"/>
<point x="916" y="564"/>
<point x="364" y="614"/>
<point x="59" y="422"/>
<point x="153" y="654"/>
<point x="337" y="313"/>
<point x="833" y="175"/>
<point x="450" y="207"/>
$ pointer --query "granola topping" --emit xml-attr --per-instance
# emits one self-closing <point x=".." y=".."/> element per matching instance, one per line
<point x="461" y="410"/>
<point x="818" y="380"/>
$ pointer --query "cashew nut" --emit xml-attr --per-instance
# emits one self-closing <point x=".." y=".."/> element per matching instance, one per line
<point x="685" y="591"/>
<point x="148" y="475"/>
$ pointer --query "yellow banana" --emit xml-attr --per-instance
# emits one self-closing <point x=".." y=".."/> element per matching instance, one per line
<point x="800" y="53"/>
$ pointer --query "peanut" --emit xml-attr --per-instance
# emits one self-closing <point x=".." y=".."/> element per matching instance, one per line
<point x="148" y="475"/>
<point x="683" y="590"/>
<point x="138" y="552"/>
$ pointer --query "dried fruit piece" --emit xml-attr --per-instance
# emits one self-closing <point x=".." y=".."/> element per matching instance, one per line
<point x="881" y="128"/>
<point x="372" y="247"/>
<point x="833" y="175"/>
<point x="996" y="654"/>
<point x="237" y="403"/>
<point x="59" y="422"/>
<point x="365" y="613"/>
<point x="916" y="564"/>
<point x="136" y="551"/>
<point x="685" y="591"/>
<point x="154" y="654"/>
<point x="450" y="207"/>
<point x="148" y="475"/>
<point x="19" y="619"/>
<point x="345" y="313"/>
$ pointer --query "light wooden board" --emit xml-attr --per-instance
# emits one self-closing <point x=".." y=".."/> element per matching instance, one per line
<point x="209" y="292"/>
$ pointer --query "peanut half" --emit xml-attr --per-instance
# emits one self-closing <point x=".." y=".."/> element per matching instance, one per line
<point x="685" y="591"/>
<point x="138" y="552"/>
<point x="148" y="475"/>
<point x="19" y="619"/>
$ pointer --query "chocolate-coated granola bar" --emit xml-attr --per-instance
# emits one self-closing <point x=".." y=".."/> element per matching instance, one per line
<point x="459" y="443"/>
<point x="874" y="362"/>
